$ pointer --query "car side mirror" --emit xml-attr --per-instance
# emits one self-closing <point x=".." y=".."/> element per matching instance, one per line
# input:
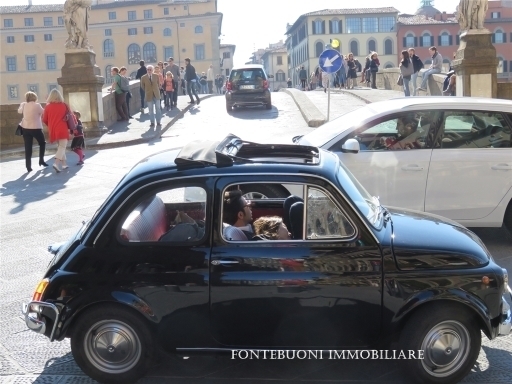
<point x="350" y="146"/>
<point x="270" y="76"/>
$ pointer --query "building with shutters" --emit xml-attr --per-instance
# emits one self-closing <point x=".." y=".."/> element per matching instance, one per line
<point x="429" y="26"/>
<point x="274" y="60"/>
<point x="359" y="31"/>
<point x="121" y="32"/>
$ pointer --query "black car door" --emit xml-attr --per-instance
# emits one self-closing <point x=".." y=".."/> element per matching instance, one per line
<point x="319" y="291"/>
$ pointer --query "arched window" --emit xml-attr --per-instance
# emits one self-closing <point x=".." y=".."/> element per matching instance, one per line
<point x="318" y="27"/>
<point x="133" y="54"/>
<point x="372" y="46"/>
<point x="354" y="47"/>
<point x="108" y="75"/>
<point x="427" y="62"/>
<point x="498" y="36"/>
<point x="389" y="65"/>
<point x="198" y="29"/>
<point x="388" y="47"/>
<point x="500" y="68"/>
<point x="444" y="39"/>
<point x="319" y="48"/>
<point x="426" y="40"/>
<point x="167" y="32"/>
<point x="108" y="48"/>
<point x="409" y="41"/>
<point x="335" y="26"/>
<point x="149" y="53"/>
<point x="446" y="65"/>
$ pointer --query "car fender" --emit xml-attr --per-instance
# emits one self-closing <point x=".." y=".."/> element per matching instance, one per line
<point x="76" y="307"/>
<point x="431" y="296"/>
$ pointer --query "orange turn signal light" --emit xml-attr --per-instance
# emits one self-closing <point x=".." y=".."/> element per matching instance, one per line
<point x="38" y="293"/>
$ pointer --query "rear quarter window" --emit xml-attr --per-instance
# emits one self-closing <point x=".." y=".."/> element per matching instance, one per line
<point x="247" y="74"/>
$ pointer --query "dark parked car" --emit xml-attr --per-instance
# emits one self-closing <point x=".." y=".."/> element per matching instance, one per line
<point x="246" y="86"/>
<point x="152" y="271"/>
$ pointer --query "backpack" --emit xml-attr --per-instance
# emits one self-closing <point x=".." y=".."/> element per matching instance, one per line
<point x="124" y="83"/>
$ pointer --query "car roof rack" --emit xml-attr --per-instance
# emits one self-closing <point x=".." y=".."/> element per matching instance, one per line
<point x="233" y="149"/>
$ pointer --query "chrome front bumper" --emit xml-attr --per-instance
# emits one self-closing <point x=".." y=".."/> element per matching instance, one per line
<point x="35" y="321"/>
<point x="506" y="318"/>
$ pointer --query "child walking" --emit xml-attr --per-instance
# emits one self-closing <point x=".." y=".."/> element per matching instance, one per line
<point x="78" y="144"/>
<point x="169" y="89"/>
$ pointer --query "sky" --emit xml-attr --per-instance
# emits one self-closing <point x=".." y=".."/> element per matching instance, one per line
<point x="251" y="25"/>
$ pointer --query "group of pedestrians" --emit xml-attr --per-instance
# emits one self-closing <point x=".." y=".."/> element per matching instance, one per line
<point x="54" y="115"/>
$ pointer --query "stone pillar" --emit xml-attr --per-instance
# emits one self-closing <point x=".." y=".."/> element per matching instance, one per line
<point x="476" y="65"/>
<point x="82" y="89"/>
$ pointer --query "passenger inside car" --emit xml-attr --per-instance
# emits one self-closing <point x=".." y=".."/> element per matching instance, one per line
<point x="237" y="217"/>
<point x="271" y="228"/>
<point x="184" y="229"/>
<point x="406" y="139"/>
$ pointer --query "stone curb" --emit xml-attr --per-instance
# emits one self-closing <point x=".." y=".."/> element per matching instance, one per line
<point x="312" y="115"/>
<point x="92" y="143"/>
<point x="354" y="94"/>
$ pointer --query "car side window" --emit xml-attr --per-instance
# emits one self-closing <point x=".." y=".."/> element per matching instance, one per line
<point x="404" y="131"/>
<point x="174" y="215"/>
<point x="324" y="220"/>
<point x="466" y="129"/>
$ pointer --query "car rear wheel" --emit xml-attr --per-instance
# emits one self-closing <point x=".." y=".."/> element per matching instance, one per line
<point x="112" y="344"/>
<point x="450" y="340"/>
<point x="260" y="191"/>
<point x="268" y="106"/>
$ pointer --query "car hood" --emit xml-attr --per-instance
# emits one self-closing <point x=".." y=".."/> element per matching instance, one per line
<point x="426" y="241"/>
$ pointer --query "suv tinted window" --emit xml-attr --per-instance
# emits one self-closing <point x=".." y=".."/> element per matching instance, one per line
<point x="247" y="74"/>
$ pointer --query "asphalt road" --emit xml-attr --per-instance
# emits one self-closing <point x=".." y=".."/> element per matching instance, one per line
<point x="42" y="207"/>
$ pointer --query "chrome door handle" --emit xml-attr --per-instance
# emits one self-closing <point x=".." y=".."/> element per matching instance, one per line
<point x="224" y="262"/>
<point x="412" y="167"/>
<point x="502" y="167"/>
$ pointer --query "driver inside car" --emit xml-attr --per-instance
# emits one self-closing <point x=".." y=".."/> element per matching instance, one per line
<point x="407" y="135"/>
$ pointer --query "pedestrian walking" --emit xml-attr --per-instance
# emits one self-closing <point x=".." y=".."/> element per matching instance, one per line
<point x="32" y="128"/>
<point x="183" y="81"/>
<point x="352" y="65"/>
<point x="120" y="97"/>
<point x="435" y="67"/>
<point x="176" y="78"/>
<point x="191" y="78"/>
<point x="210" y="77"/>
<point x="78" y="143"/>
<point x="125" y="87"/>
<point x="141" y="72"/>
<point x="150" y="84"/>
<point x="418" y="65"/>
<point x="203" y="80"/>
<point x="53" y="116"/>
<point x="303" y="77"/>
<point x="406" y="71"/>
<point x="169" y="90"/>
<point x="158" y="72"/>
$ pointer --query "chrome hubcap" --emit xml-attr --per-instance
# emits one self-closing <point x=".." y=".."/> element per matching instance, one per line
<point x="112" y="346"/>
<point x="446" y="347"/>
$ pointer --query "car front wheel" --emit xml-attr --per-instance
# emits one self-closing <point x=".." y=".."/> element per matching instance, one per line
<point x="229" y="108"/>
<point x="450" y="340"/>
<point x="112" y="344"/>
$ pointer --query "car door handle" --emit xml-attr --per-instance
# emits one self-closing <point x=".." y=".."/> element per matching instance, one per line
<point x="224" y="262"/>
<point x="412" y="167"/>
<point x="502" y="167"/>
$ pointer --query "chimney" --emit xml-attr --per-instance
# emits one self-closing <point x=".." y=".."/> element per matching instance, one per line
<point x="444" y="16"/>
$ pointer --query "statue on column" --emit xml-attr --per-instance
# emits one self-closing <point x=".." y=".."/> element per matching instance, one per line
<point x="76" y="19"/>
<point x="471" y="14"/>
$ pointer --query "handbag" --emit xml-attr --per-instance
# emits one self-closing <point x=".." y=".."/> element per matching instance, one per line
<point x="400" y="80"/>
<point x="69" y="118"/>
<point x="19" y="130"/>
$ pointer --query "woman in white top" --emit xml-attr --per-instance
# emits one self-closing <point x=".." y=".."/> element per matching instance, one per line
<point x="32" y="128"/>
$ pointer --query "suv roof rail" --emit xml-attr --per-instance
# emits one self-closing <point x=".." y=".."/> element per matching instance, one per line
<point x="233" y="149"/>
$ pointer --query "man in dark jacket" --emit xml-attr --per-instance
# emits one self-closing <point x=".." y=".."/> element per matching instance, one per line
<point x="418" y="64"/>
<point x="141" y="72"/>
<point x="191" y="77"/>
<point x="303" y="76"/>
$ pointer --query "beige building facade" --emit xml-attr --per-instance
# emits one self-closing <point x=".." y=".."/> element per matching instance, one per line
<point x="359" y="31"/>
<point x="121" y="33"/>
<point x="274" y="61"/>
<point x="227" y="52"/>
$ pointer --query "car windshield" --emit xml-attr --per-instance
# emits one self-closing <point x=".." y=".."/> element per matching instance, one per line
<point x="367" y="204"/>
<point x="330" y="130"/>
<point x="247" y="75"/>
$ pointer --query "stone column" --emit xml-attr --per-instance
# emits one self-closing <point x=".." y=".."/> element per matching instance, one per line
<point x="476" y="65"/>
<point x="82" y="88"/>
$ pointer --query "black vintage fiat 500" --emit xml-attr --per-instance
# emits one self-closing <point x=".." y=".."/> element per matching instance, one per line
<point x="153" y="271"/>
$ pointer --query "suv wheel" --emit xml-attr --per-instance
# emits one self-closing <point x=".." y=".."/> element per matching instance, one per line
<point x="450" y="340"/>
